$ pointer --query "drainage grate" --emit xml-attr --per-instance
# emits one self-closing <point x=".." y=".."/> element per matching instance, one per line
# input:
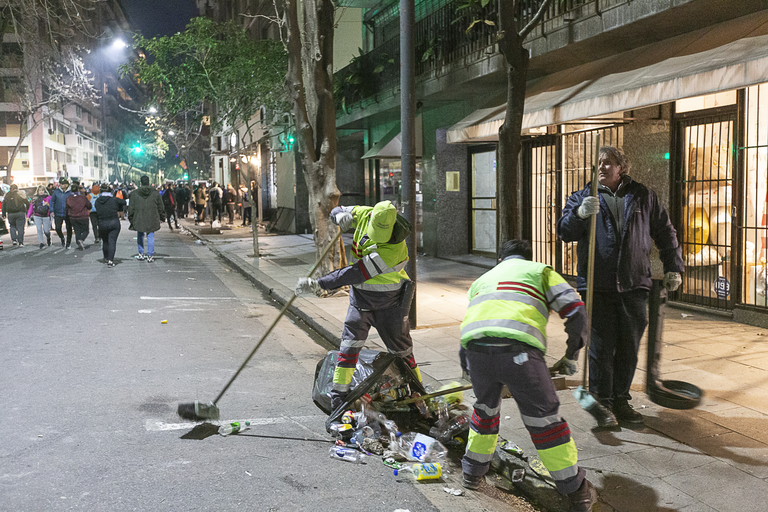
<point x="287" y="262"/>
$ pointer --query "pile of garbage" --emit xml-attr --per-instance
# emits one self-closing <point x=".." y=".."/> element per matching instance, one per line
<point x="389" y="413"/>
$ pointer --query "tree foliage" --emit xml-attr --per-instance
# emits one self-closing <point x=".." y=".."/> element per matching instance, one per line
<point x="43" y="60"/>
<point x="212" y="63"/>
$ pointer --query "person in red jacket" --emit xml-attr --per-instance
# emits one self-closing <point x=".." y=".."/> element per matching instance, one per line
<point x="79" y="213"/>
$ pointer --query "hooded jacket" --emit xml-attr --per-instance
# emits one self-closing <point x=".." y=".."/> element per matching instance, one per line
<point x="59" y="201"/>
<point x="107" y="207"/>
<point x="145" y="210"/>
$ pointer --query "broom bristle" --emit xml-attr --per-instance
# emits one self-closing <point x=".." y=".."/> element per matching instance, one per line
<point x="197" y="411"/>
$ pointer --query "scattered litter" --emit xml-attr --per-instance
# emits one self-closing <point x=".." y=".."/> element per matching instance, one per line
<point x="685" y="315"/>
<point x="507" y="417"/>
<point x="510" y="447"/>
<point x="163" y="321"/>
<point x="455" y="492"/>
<point x="518" y="475"/>
<point x="248" y="473"/>
<point x="642" y="407"/>
<point x="40" y="435"/>
<point x="191" y="279"/>
<point x="761" y="334"/>
<point x="145" y="311"/>
<point x="199" y="242"/>
<point x="373" y="446"/>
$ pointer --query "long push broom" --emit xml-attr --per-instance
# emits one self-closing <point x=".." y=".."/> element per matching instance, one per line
<point x="582" y="395"/>
<point x="200" y="411"/>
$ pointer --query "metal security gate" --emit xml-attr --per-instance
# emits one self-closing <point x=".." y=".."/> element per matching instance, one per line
<point x="704" y="187"/>
<point x="555" y="167"/>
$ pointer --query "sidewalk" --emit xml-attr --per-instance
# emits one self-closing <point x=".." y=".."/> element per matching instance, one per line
<point x="714" y="457"/>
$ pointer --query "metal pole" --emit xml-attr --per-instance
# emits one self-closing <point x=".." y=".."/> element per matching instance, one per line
<point x="408" y="133"/>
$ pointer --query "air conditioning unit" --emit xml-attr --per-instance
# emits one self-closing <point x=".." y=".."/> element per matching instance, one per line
<point x="25" y="163"/>
<point x="50" y="131"/>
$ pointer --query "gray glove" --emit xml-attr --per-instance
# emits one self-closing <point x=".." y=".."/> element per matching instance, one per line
<point x="672" y="280"/>
<point x="344" y="220"/>
<point x="589" y="206"/>
<point x="307" y="285"/>
<point x="566" y="366"/>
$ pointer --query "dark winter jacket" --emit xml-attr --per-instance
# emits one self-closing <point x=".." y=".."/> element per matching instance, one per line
<point x="13" y="202"/>
<point x="214" y="195"/>
<point x="59" y="201"/>
<point x="622" y="260"/>
<point x="78" y="207"/>
<point x="168" y="200"/>
<point x="107" y="207"/>
<point x="145" y="210"/>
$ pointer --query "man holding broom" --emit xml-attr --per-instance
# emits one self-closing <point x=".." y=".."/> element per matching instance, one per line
<point x="629" y="216"/>
<point x="503" y="340"/>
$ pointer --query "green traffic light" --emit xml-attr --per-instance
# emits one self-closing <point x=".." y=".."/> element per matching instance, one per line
<point x="137" y="149"/>
<point x="666" y="156"/>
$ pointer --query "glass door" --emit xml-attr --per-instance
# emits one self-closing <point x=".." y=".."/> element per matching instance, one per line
<point x="705" y="183"/>
<point x="483" y="203"/>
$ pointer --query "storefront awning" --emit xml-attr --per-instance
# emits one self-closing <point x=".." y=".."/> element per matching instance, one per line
<point x="723" y="57"/>
<point x="390" y="146"/>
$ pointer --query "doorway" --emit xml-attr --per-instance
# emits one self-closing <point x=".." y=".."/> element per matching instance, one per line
<point x="483" y="201"/>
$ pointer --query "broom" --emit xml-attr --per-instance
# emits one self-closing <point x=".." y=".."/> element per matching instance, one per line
<point x="200" y="411"/>
<point x="582" y="395"/>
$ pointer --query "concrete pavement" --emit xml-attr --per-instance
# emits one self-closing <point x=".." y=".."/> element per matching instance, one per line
<point x="714" y="457"/>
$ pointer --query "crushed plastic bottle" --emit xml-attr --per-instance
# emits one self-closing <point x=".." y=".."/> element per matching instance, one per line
<point x="347" y="454"/>
<point x="429" y="471"/>
<point x="362" y="434"/>
<point x="234" y="428"/>
<point x="421" y="448"/>
<point x="446" y="431"/>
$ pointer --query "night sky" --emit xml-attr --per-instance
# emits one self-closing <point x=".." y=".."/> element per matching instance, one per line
<point x="159" y="17"/>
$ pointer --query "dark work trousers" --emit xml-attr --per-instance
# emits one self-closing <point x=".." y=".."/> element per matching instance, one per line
<point x="180" y="204"/>
<point x="231" y="212"/>
<point x="216" y="212"/>
<point x="81" y="228"/>
<point x="95" y="225"/>
<point x="393" y="327"/>
<point x="58" y="222"/>
<point x="171" y="212"/>
<point x="524" y="371"/>
<point x="200" y="212"/>
<point x="108" y="231"/>
<point x="618" y="323"/>
<point x="246" y="215"/>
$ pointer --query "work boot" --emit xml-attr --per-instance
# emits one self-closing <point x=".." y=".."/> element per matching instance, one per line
<point x="471" y="481"/>
<point x="605" y="418"/>
<point x="625" y="413"/>
<point x="337" y="399"/>
<point x="583" y="498"/>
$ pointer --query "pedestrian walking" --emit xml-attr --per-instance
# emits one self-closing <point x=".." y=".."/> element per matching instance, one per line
<point x="201" y="199"/>
<point x="246" y="202"/>
<point x="119" y="192"/>
<point x="503" y="341"/>
<point x="40" y="211"/>
<point x="230" y="200"/>
<point x="629" y="216"/>
<point x="15" y="208"/>
<point x="169" y="203"/>
<point x="79" y="214"/>
<point x="182" y="202"/>
<point x="95" y="191"/>
<point x="107" y="208"/>
<point x="59" y="203"/>
<point x="380" y="293"/>
<point x="215" y="199"/>
<point x="145" y="214"/>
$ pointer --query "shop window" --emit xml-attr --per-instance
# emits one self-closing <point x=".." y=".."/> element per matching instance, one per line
<point x="391" y="188"/>
<point x="755" y="200"/>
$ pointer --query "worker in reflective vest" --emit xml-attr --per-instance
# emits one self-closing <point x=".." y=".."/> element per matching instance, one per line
<point x="380" y="293"/>
<point x="503" y="339"/>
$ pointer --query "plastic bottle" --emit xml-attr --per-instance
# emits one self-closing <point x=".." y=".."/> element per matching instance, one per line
<point x="421" y="448"/>
<point x="347" y="454"/>
<point x="446" y="431"/>
<point x="432" y="471"/>
<point x="361" y="434"/>
<point x="234" y="428"/>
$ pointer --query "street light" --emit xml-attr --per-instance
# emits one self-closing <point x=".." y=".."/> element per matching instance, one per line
<point x="153" y="110"/>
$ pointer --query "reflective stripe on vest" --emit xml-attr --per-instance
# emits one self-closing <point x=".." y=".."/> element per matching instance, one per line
<point x="517" y="297"/>
<point x="502" y="323"/>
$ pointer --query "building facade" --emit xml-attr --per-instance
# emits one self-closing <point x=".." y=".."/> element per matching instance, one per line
<point x="680" y="86"/>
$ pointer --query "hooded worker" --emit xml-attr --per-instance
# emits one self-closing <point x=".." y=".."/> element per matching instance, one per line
<point x="380" y="293"/>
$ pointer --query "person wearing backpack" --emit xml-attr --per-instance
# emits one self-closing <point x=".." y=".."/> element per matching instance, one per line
<point x="14" y="209"/>
<point x="214" y="199"/>
<point x="40" y="212"/>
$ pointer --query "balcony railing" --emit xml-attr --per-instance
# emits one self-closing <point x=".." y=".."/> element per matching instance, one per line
<point x="446" y="35"/>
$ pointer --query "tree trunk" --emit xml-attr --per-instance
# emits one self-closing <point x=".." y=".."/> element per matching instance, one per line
<point x="310" y="85"/>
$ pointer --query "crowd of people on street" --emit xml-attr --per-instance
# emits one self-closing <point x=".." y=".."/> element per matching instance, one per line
<point x="76" y="209"/>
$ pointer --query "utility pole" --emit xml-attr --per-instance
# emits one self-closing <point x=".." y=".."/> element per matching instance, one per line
<point x="408" y="133"/>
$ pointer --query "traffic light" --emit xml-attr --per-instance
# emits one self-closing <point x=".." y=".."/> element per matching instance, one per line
<point x="137" y="148"/>
<point x="186" y="176"/>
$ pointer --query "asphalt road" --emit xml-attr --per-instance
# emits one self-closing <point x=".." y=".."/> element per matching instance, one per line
<point x="91" y="378"/>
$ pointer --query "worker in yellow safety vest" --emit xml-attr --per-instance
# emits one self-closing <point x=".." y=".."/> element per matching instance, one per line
<point x="380" y="294"/>
<point x="503" y="341"/>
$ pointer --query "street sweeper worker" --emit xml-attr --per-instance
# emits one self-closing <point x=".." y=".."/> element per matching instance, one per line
<point x="629" y="216"/>
<point x="503" y="341"/>
<point x="380" y="294"/>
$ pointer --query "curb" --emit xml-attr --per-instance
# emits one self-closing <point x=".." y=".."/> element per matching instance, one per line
<point x="306" y="312"/>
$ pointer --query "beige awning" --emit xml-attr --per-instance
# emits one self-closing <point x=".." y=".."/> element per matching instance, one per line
<point x="723" y="57"/>
<point x="390" y="146"/>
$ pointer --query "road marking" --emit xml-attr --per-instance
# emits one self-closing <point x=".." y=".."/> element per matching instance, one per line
<point x="189" y="298"/>
<point x="161" y="426"/>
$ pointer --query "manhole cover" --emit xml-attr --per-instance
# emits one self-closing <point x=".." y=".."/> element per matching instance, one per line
<point x="288" y="262"/>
